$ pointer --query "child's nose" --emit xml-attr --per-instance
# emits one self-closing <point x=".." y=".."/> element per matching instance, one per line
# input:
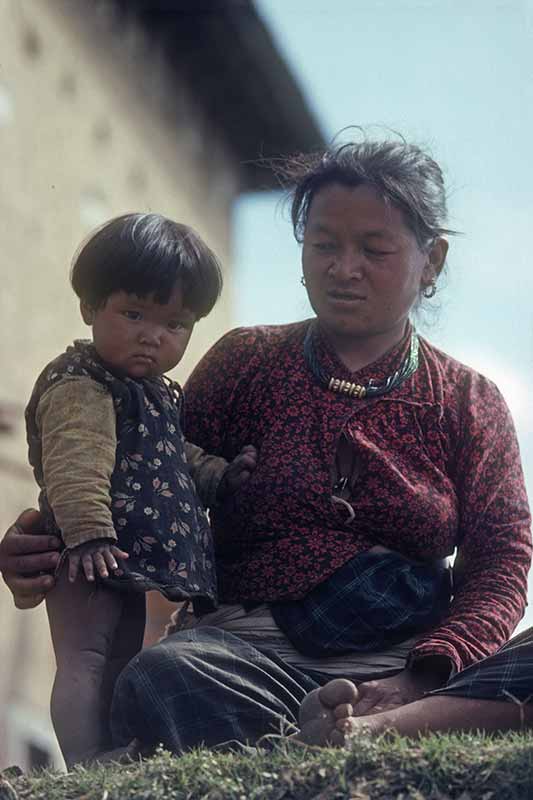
<point x="150" y="335"/>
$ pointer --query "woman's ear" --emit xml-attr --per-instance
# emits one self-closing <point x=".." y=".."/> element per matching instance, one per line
<point x="435" y="261"/>
<point x="87" y="313"/>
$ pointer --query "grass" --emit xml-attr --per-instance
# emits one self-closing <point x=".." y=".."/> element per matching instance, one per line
<point x="459" y="767"/>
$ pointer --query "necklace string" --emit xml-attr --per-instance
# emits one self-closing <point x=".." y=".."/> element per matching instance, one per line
<point x="357" y="390"/>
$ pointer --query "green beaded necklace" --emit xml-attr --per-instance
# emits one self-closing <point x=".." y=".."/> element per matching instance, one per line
<point x="357" y="390"/>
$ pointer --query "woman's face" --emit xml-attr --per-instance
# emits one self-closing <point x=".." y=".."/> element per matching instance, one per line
<point x="362" y="265"/>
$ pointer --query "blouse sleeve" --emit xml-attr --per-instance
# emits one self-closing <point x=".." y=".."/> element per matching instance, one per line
<point x="494" y="547"/>
<point x="77" y="422"/>
<point x="213" y="385"/>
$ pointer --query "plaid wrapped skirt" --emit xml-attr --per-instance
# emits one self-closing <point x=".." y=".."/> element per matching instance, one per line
<point x="206" y="686"/>
<point x="373" y="601"/>
<point x="506" y="675"/>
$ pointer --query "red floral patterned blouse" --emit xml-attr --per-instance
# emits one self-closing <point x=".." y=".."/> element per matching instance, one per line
<point x="438" y="468"/>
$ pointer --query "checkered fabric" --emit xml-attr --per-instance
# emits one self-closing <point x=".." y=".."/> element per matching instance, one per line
<point x="205" y="686"/>
<point x="506" y="675"/>
<point x="373" y="601"/>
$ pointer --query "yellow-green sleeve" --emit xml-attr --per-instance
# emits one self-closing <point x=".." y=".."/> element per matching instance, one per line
<point x="206" y="472"/>
<point x="77" y="422"/>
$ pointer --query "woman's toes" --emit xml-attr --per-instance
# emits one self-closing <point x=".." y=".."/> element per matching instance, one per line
<point x="326" y="713"/>
<point x="346" y="725"/>
<point x="338" y="692"/>
<point x="342" y="711"/>
<point x="311" y="708"/>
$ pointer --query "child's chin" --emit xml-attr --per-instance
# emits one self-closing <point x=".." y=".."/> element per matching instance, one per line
<point x="140" y="371"/>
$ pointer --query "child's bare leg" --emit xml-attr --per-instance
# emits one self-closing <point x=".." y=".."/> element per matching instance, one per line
<point x="322" y="710"/>
<point x="442" y="713"/>
<point x="127" y="642"/>
<point x="83" y="620"/>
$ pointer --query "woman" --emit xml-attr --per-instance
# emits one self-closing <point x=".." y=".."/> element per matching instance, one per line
<point x="378" y="456"/>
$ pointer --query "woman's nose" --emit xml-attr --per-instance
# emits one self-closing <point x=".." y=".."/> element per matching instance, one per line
<point x="348" y="265"/>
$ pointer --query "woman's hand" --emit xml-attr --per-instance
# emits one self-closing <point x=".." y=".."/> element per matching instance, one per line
<point x="399" y="690"/>
<point x="97" y="557"/>
<point x="25" y="554"/>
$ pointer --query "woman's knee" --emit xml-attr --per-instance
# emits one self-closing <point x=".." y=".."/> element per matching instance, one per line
<point x="170" y="667"/>
<point x="165" y="658"/>
<point x="196" y="645"/>
<point x="148" y="697"/>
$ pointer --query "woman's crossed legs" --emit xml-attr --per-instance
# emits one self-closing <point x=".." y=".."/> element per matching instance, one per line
<point x="206" y="687"/>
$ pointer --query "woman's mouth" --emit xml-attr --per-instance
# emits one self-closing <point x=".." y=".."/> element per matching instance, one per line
<point x="340" y="296"/>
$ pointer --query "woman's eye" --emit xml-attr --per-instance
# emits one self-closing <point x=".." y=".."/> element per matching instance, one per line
<point x="325" y="247"/>
<point x="175" y="325"/>
<point x="377" y="253"/>
<point x="134" y="315"/>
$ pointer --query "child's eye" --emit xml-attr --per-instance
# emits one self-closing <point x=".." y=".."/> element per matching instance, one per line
<point x="180" y="324"/>
<point x="175" y="325"/>
<point x="134" y="315"/>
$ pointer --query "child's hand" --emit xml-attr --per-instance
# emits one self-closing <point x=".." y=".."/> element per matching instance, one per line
<point x="238" y="472"/>
<point x="98" y="555"/>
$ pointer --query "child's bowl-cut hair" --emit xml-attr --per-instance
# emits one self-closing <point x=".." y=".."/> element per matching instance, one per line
<point x="146" y="254"/>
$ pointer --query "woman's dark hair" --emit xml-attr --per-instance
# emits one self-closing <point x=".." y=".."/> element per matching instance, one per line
<point x="402" y="174"/>
<point x="146" y="254"/>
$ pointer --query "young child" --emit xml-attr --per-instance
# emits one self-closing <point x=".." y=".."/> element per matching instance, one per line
<point x="117" y="478"/>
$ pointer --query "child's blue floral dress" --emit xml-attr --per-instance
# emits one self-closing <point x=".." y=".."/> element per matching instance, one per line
<point x="156" y="513"/>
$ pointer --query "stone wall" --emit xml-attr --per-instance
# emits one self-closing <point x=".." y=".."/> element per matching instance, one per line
<point x="92" y="124"/>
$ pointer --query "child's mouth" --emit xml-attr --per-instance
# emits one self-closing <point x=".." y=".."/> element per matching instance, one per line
<point x="143" y="359"/>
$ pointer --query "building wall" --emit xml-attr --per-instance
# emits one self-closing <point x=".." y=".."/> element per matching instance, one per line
<point x="91" y="125"/>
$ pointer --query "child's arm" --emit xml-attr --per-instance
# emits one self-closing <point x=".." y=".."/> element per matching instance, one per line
<point x="77" y="422"/>
<point x="237" y="472"/>
<point x="206" y="472"/>
<point x="213" y="477"/>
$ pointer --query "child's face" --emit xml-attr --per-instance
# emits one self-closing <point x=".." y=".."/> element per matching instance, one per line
<point x="138" y="336"/>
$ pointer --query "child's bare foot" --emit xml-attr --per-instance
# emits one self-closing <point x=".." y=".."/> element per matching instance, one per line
<point x="326" y="714"/>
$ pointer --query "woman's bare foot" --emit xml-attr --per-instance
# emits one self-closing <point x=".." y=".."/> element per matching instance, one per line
<point x="326" y="714"/>
<point x="323" y="724"/>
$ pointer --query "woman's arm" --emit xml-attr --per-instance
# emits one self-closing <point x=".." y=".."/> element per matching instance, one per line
<point x="25" y="554"/>
<point x="494" y="553"/>
<point x="494" y="547"/>
<point x="223" y="375"/>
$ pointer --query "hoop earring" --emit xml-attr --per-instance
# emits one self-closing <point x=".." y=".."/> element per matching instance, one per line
<point x="302" y="281"/>
<point x="430" y="290"/>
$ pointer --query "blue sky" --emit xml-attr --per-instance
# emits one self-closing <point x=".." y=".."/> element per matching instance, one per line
<point x="455" y="76"/>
